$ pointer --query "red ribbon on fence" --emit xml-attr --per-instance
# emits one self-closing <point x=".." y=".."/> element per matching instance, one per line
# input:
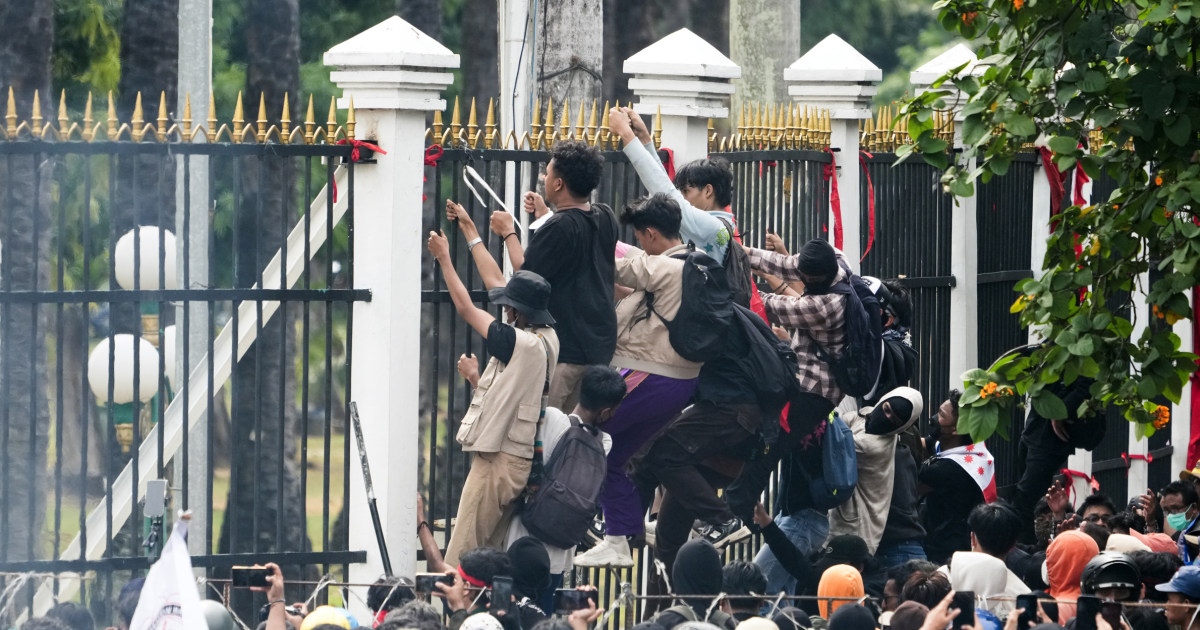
<point x="870" y="204"/>
<point x="355" y="156"/>
<point x="1092" y="483"/>
<point x="1056" y="180"/>
<point x="1129" y="459"/>
<point x="835" y="200"/>
<point x="433" y="153"/>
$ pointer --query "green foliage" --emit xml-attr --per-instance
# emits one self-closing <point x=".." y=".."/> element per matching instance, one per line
<point x="87" y="48"/>
<point x="1053" y="71"/>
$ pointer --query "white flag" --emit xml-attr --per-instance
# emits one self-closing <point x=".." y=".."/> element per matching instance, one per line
<point x="169" y="600"/>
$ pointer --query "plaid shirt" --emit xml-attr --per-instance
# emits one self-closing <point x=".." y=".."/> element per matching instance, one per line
<point x="811" y="319"/>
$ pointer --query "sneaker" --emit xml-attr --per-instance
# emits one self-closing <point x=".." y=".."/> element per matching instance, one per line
<point x="650" y="528"/>
<point x="611" y="552"/>
<point x="727" y="533"/>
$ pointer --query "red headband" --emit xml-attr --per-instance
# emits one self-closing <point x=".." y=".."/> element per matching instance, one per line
<point x="476" y="582"/>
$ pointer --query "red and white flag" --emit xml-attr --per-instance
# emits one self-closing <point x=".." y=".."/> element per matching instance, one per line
<point x="976" y="461"/>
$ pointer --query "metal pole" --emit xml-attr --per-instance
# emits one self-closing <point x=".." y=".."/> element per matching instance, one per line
<point x="366" y="470"/>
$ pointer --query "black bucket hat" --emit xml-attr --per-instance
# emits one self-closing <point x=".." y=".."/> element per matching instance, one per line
<point x="527" y="292"/>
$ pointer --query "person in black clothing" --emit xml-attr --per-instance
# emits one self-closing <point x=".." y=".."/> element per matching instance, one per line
<point x="531" y="577"/>
<point x="573" y="251"/>
<point x="745" y="579"/>
<point x="697" y="571"/>
<point x="950" y="493"/>
<point x="903" y="535"/>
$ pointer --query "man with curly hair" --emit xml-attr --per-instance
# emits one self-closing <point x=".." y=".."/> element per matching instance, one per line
<point x="573" y="251"/>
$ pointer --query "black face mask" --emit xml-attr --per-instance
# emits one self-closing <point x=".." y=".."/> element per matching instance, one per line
<point x="878" y="423"/>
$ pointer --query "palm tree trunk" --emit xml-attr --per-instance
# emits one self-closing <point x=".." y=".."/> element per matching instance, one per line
<point x="24" y="199"/>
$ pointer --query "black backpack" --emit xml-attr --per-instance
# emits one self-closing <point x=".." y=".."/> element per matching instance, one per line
<point x="698" y="331"/>
<point x="771" y="365"/>
<point x="561" y="509"/>
<point x="857" y="368"/>
<point x="737" y="270"/>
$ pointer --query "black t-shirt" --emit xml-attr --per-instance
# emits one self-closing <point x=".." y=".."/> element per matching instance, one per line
<point x="947" y="506"/>
<point x="903" y="520"/>
<point x="574" y="252"/>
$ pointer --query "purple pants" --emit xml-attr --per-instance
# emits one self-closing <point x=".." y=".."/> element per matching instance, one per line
<point x="648" y="407"/>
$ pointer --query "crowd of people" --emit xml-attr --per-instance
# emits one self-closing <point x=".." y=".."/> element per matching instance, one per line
<point x="645" y="397"/>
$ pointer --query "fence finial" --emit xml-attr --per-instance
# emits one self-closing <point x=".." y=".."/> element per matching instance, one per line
<point x="579" y="126"/>
<point x="88" y="132"/>
<point x="310" y="122"/>
<point x="658" y="128"/>
<point x="489" y="124"/>
<point x="160" y="131"/>
<point x="260" y="124"/>
<point x="548" y="123"/>
<point x="238" y="119"/>
<point x="211" y="132"/>
<point x="591" y="125"/>
<point x="112" y="118"/>
<point x="455" y="123"/>
<point x="36" y="118"/>
<point x="62" y="115"/>
<point x="350" y="122"/>
<point x="138" y="121"/>
<point x="472" y="126"/>
<point x="438" y="125"/>
<point x="10" y="117"/>
<point x="756" y="129"/>
<point x="535" y="127"/>
<point x="602" y="133"/>
<point x="187" y="118"/>
<point x="285" y="120"/>
<point x="564" y="122"/>
<point x="331" y="122"/>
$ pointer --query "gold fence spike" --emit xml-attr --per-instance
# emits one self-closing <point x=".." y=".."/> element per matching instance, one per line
<point x="138" y="122"/>
<point x="36" y="118"/>
<point x="548" y="123"/>
<point x="160" y="132"/>
<point x="579" y="126"/>
<point x="260" y="125"/>
<point x="211" y="132"/>
<point x="310" y="122"/>
<point x="591" y="124"/>
<point x="187" y="118"/>
<point x="238" y="119"/>
<point x="62" y="115"/>
<point x="564" y="123"/>
<point x="658" y="128"/>
<point x="10" y="117"/>
<point x="350" y="121"/>
<point x="535" y="139"/>
<point x="455" y="123"/>
<point x="437" y="126"/>
<point x="776" y="122"/>
<point x="489" y="125"/>
<point x="741" y="121"/>
<point x="331" y="122"/>
<point x="88" y="132"/>
<point x="757" y="129"/>
<point x="112" y="117"/>
<point x="603" y="132"/>
<point x="285" y="120"/>
<point x="472" y="126"/>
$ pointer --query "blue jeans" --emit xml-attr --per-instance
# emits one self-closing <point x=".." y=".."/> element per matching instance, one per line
<point x="807" y="529"/>
<point x="895" y="554"/>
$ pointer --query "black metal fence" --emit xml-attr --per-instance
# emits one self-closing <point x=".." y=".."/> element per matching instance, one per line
<point x="912" y="243"/>
<point x="277" y="456"/>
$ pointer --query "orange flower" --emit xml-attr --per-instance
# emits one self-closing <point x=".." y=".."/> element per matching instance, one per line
<point x="1006" y="392"/>
<point x="1162" y="415"/>
<point x="1017" y="4"/>
<point x="987" y="390"/>
<point x="969" y="17"/>
<point x="1158" y="180"/>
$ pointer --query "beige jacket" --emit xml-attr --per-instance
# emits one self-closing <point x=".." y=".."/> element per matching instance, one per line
<point x="642" y="339"/>
<point x="504" y="411"/>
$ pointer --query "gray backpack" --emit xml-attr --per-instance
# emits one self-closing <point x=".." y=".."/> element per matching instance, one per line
<point x="562" y="507"/>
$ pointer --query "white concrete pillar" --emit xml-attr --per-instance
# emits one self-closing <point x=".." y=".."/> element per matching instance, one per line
<point x="1181" y="414"/>
<point x="835" y="76"/>
<point x="395" y="74"/>
<point x="964" y="261"/>
<point x="687" y="80"/>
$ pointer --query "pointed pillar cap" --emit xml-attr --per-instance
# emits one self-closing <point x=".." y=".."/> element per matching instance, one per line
<point x="943" y="63"/>
<point x="392" y="65"/>
<point x="682" y="75"/>
<point x="833" y="60"/>
<point x="682" y="54"/>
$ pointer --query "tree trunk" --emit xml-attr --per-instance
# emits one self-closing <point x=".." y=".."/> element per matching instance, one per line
<point x="570" y="61"/>
<point x="145" y="191"/>
<point x="426" y="15"/>
<point x="480" y="54"/>
<point x="24" y="204"/>
<point x="764" y="39"/>
<point x="265" y="511"/>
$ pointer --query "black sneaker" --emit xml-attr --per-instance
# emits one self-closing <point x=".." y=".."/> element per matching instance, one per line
<point x="727" y="533"/>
